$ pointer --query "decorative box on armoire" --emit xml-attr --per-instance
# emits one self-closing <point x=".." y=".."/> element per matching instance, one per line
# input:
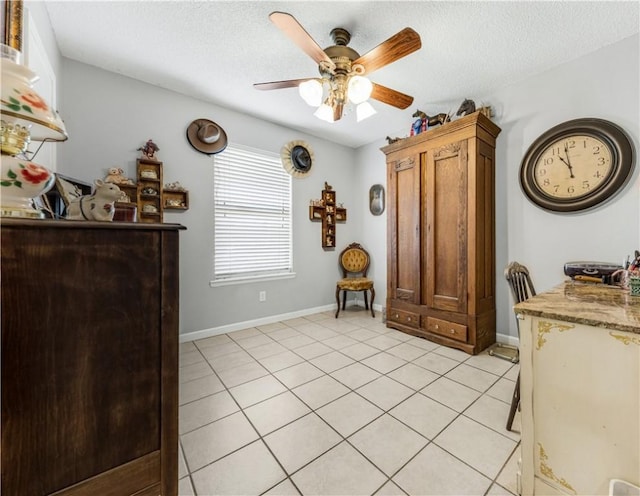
<point x="89" y="358"/>
<point x="441" y="234"/>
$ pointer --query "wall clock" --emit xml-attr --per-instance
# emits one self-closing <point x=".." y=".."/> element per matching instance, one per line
<point x="577" y="165"/>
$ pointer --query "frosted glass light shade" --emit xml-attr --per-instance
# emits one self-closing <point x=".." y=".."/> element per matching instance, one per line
<point x="311" y="92"/>
<point x="359" y="89"/>
<point x="364" y="110"/>
<point x="22" y="106"/>
<point x="324" y="112"/>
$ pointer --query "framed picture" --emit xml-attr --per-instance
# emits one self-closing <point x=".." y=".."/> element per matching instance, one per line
<point x="376" y="199"/>
<point x="65" y="191"/>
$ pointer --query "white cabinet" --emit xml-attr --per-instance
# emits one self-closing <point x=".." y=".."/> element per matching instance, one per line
<point x="580" y="399"/>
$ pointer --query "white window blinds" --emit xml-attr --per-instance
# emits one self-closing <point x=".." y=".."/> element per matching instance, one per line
<point x="252" y="201"/>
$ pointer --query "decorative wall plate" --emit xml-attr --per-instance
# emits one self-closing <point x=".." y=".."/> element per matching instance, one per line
<point x="376" y="199"/>
<point x="297" y="158"/>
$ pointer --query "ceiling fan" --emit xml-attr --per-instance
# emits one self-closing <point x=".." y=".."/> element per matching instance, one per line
<point x="343" y="70"/>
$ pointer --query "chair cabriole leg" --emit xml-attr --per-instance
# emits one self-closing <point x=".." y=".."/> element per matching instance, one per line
<point x="373" y="295"/>
<point x="338" y="300"/>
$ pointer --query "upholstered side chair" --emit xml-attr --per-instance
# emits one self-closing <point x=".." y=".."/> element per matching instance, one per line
<point x="522" y="289"/>
<point x="354" y="262"/>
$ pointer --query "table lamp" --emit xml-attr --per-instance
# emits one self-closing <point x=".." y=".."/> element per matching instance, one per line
<point x="25" y="117"/>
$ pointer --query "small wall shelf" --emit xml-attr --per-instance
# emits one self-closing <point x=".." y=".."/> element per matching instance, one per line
<point x="149" y="176"/>
<point x="175" y="200"/>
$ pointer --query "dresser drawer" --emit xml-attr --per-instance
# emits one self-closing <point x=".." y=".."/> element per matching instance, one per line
<point x="446" y="328"/>
<point x="401" y="317"/>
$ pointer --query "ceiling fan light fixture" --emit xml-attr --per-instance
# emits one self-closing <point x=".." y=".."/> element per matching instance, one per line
<point x="324" y="112"/>
<point x="342" y="70"/>
<point x="359" y="89"/>
<point x="364" y="110"/>
<point x="311" y="92"/>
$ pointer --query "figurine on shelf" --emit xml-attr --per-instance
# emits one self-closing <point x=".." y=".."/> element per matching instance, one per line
<point x="327" y="186"/>
<point x="148" y="174"/>
<point x="97" y="206"/>
<point x="430" y="120"/>
<point x="149" y="150"/>
<point x="466" y="107"/>
<point x="175" y="186"/>
<point x="487" y="111"/>
<point x="124" y="198"/>
<point x="114" y="175"/>
<point x="149" y="191"/>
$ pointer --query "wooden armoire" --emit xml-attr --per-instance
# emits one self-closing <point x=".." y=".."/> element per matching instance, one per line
<point x="441" y="234"/>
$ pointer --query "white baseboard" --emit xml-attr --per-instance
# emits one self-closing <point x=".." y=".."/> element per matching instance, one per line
<point x="238" y="326"/>
<point x="360" y="303"/>
<point x="508" y="339"/>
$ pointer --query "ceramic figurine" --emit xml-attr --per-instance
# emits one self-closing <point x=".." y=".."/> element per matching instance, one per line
<point x="114" y="175"/>
<point x="432" y="120"/>
<point x="149" y="150"/>
<point x="97" y="206"/>
<point x="466" y="107"/>
<point x="175" y="186"/>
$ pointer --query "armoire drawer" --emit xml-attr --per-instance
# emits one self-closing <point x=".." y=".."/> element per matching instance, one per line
<point x="401" y="317"/>
<point x="448" y="329"/>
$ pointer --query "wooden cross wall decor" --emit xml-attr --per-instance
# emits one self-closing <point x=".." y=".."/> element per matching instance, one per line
<point x="326" y="211"/>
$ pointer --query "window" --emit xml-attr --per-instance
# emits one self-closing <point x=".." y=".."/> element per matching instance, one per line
<point x="252" y="220"/>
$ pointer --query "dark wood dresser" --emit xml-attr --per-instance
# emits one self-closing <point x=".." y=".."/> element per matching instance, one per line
<point x="89" y="358"/>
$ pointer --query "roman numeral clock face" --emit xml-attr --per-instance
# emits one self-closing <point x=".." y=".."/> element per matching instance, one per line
<point x="577" y="165"/>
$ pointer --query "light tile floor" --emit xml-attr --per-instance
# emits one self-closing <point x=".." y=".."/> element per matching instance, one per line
<point x="347" y="406"/>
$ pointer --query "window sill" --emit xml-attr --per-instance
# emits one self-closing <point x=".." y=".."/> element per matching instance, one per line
<point x="251" y="279"/>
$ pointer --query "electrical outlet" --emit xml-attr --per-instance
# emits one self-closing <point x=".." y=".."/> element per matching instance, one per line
<point x="263" y="296"/>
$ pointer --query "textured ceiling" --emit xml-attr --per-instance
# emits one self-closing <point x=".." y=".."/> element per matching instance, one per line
<point x="216" y="50"/>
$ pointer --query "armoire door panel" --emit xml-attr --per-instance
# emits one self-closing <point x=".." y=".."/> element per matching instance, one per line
<point x="446" y="217"/>
<point x="404" y="181"/>
<point x="485" y="229"/>
<point x="481" y="234"/>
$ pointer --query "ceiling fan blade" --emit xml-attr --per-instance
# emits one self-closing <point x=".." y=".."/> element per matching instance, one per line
<point x="399" y="45"/>
<point x="278" y="85"/>
<point x="390" y="97"/>
<point x="292" y="28"/>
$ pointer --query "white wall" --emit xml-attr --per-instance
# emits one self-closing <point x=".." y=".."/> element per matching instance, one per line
<point x="40" y="17"/>
<point x="604" y="84"/>
<point x="108" y="116"/>
<point x="370" y="170"/>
